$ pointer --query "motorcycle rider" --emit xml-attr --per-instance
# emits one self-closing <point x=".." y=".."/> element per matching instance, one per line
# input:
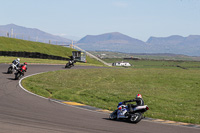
<point x="71" y="61"/>
<point x="24" y="66"/>
<point x="139" y="102"/>
<point x="16" y="62"/>
<point x="20" y="72"/>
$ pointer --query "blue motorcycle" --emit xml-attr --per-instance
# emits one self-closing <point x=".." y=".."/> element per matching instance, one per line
<point x="123" y="113"/>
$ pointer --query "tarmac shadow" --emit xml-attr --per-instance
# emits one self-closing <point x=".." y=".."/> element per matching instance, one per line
<point x="11" y="78"/>
<point x="121" y="120"/>
<point x="6" y="73"/>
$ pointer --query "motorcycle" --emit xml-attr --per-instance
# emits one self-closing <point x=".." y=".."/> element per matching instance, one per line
<point x="123" y="113"/>
<point x="70" y="64"/>
<point x="12" y="68"/>
<point x="19" y="74"/>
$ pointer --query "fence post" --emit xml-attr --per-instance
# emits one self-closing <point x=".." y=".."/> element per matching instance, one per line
<point x="12" y="33"/>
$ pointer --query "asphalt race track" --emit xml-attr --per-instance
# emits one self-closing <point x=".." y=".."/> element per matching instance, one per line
<point x="21" y="112"/>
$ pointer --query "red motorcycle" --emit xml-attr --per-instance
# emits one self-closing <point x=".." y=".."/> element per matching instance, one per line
<point x="20" y="72"/>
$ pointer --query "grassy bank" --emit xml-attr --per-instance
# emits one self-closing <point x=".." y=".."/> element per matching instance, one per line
<point x="12" y="44"/>
<point x="171" y="93"/>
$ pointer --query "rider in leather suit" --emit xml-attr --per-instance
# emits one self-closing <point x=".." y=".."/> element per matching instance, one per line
<point x="139" y="102"/>
<point x="16" y="62"/>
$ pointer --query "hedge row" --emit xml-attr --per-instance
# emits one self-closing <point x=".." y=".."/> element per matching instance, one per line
<point x="31" y="55"/>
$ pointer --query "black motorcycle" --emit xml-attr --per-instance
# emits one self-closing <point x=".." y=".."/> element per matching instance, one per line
<point x="70" y="64"/>
<point x="19" y="74"/>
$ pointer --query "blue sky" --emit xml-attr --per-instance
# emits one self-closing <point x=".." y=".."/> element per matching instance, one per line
<point x="136" y="18"/>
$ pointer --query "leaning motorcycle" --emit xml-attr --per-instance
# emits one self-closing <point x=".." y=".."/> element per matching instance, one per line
<point x="12" y="68"/>
<point x="70" y="64"/>
<point x="19" y="74"/>
<point x="123" y="113"/>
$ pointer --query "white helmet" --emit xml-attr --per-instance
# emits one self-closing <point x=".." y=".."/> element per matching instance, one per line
<point x="18" y="59"/>
<point x="138" y="96"/>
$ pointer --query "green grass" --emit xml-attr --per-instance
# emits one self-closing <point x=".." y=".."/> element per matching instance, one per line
<point x="11" y="44"/>
<point x="171" y="93"/>
<point x="5" y="59"/>
<point x="106" y="54"/>
<point x="158" y="63"/>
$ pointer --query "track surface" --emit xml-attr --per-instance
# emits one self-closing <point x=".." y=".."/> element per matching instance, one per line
<point x="21" y="112"/>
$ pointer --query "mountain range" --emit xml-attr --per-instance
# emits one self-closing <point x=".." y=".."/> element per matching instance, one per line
<point x="115" y="41"/>
<point x="31" y="34"/>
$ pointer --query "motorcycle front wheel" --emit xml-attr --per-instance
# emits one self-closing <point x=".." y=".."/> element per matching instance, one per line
<point x="113" y="115"/>
<point x="67" y="65"/>
<point x="17" y="75"/>
<point x="135" y="118"/>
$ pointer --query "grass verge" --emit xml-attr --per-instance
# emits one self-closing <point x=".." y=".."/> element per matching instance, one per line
<point x="12" y="44"/>
<point x="5" y="59"/>
<point x="171" y="94"/>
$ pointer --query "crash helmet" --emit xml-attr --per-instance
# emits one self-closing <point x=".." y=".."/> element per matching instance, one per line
<point x="18" y="59"/>
<point x="138" y="96"/>
<point x="25" y="63"/>
<point x="119" y="104"/>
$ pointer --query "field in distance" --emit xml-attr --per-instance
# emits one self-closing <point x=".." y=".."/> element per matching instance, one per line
<point x="105" y="55"/>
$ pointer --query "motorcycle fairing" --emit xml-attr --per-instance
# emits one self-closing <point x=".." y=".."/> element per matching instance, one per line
<point x="122" y="111"/>
<point x="139" y="108"/>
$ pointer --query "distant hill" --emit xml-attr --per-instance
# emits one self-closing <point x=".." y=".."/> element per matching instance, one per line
<point x="176" y="44"/>
<point x="114" y="41"/>
<point x="172" y="40"/>
<point x="31" y="34"/>
<point x="114" y="37"/>
<point x="118" y="42"/>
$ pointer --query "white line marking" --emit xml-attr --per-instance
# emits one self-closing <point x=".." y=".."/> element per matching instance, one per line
<point x="29" y="91"/>
<point x="52" y="99"/>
